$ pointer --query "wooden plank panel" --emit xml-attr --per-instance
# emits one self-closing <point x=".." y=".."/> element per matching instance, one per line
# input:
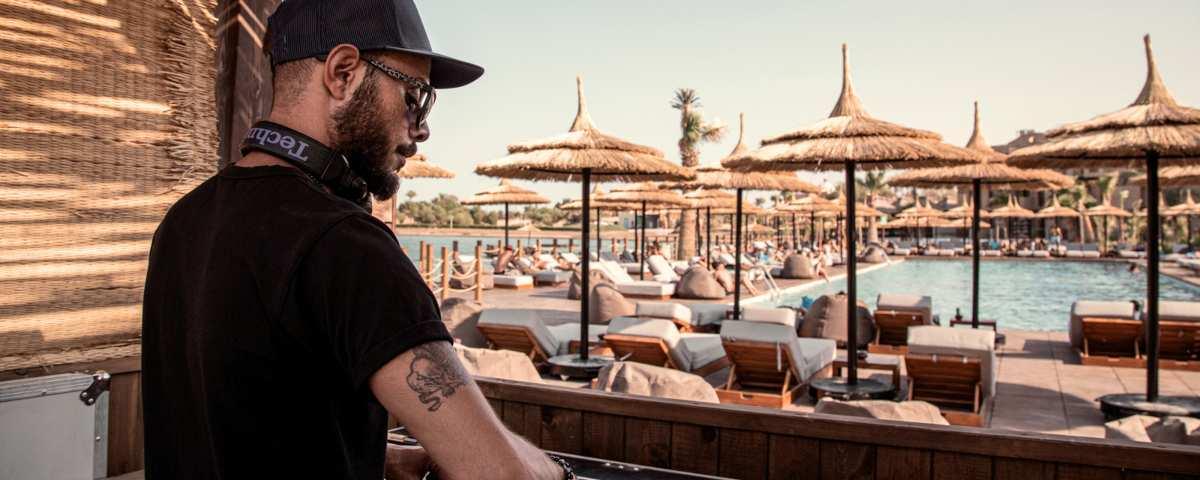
<point x="562" y="430"/>
<point x="847" y="460"/>
<point x="125" y="432"/>
<point x="793" y="457"/>
<point x="648" y="442"/>
<point x="694" y="448"/>
<point x="1014" y="469"/>
<point x="902" y="463"/>
<point x="497" y="406"/>
<point x="965" y="466"/>
<point x="604" y="436"/>
<point x="1085" y="472"/>
<point x="524" y="420"/>
<point x="1135" y="475"/>
<point x="743" y="454"/>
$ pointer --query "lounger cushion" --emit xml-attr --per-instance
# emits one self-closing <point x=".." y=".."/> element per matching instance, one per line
<point x="874" y="254"/>
<point x="505" y="364"/>
<point x="641" y="379"/>
<point x="903" y="302"/>
<point x="566" y="332"/>
<point x="909" y="411"/>
<point x="522" y="318"/>
<point x="797" y="266"/>
<point x="827" y="319"/>
<point x="570" y="257"/>
<point x="810" y="354"/>
<point x="1041" y="254"/>
<point x="607" y="303"/>
<point x="554" y="277"/>
<point x="654" y="328"/>
<point x="1178" y="311"/>
<point x="971" y="343"/>
<point x="665" y="310"/>
<point x="702" y="348"/>
<point x="648" y="288"/>
<point x="461" y="316"/>
<point x="699" y="283"/>
<point x="663" y="270"/>
<point x="708" y="313"/>
<point x="902" y="251"/>
<point x="512" y="280"/>
<point x="1095" y="309"/>
<point x="781" y="316"/>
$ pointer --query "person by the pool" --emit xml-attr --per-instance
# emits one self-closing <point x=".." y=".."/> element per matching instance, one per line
<point x="281" y="323"/>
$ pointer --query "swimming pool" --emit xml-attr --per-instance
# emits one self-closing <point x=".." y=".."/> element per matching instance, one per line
<point x="1022" y="295"/>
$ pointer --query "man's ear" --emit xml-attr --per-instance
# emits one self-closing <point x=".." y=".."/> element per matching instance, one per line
<point x="340" y="73"/>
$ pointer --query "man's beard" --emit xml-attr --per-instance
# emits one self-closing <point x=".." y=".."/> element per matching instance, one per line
<point x="359" y="132"/>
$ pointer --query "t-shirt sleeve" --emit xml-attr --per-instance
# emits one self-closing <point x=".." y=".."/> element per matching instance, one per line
<point x="364" y="299"/>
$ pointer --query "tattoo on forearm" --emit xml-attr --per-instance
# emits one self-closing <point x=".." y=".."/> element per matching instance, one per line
<point x="434" y="374"/>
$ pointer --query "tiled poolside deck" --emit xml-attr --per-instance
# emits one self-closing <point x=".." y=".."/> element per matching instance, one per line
<point x="1041" y="385"/>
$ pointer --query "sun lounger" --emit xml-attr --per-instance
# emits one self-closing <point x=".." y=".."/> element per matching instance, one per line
<point x="1179" y="335"/>
<point x="634" y="288"/>
<point x="677" y="313"/>
<point x="662" y="269"/>
<point x="523" y="331"/>
<point x="903" y="252"/>
<point x="551" y="278"/>
<point x="1121" y="310"/>
<point x="513" y="281"/>
<point x="658" y="342"/>
<point x="991" y="253"/>
<point x="1041" y="254"/>
<point x="1024" y="253"/>
<point x="1131" y="254"/>
<point x="953" y="368"/>
<point x="569" y="257"/>
<point x="770" y="363"/>
<point x="894" y="313"/>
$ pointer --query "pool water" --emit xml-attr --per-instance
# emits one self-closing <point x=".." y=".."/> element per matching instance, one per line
<point x="1022" y="295"/>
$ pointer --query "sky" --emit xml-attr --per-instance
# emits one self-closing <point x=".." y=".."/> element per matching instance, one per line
<point x="1031" y="65"/>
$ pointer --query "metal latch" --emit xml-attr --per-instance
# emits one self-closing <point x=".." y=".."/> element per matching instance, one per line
<point x="100" y="382"/>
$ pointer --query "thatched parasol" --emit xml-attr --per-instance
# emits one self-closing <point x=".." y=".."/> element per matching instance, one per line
<point x="1104" y="211"/>
<point x="1173" y="177"/>
<point x="417" y="166"/>
<point x="1154" y="130"/>
<point x="966" y="210"/>
<point x="1013" y="210"/>
<point x="506" y="194"/>
<point x="583" y="153"/>
<point x="991" y="172"/>
<point x="848" y="139"/>
<point x="813" y="205"/>
<point x="708" y="199"/>
<point x="645" y="194"/>
<point x="1186" y="209"/>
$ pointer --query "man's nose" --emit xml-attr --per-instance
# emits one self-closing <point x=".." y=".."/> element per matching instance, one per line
<point x="421" y="133"/>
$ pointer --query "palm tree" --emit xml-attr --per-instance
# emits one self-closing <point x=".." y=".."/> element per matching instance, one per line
<point x="411" y="195"/>
<point x="871" y="187"/>
<point x="1077" y="196"/>
<point x="693" y="130"/>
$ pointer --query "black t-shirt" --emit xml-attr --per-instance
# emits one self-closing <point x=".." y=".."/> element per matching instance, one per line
<point x="269" y="303"/>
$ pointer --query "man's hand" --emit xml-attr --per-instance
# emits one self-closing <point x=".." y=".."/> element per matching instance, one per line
<point x="405" y="463"/>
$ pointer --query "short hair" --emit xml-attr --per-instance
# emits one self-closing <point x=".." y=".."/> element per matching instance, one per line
<point x="289" y="79"/>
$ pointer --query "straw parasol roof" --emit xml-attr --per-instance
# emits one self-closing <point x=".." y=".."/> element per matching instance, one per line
<point x="1106" y="209"/>
<point x="810" y="203"/>
<point x="647" y="192"/>
<point x="991" y="171"/>
<point x="716" y="176"/>
<point x="962" y="222"/>
<point x="851" y="134"/>
<point x="906" y="222"/>
<point x="965" y="210"/>
<point x="506" y="193"/>
<point x="747" y="209"/>
<point x="564" y="157"/>
<point x="1187" y="207"/>
<point x="1173" y="177"/>
<point x="417" y="166"/>
<point x="1013" y="210"/>
<point x="861" y="209"/>
<point x="1054" y="210"/>
<point x="920" y="210"/>
<point x="599" y="200"/>
<point x="710" y="198"/>
<point x="1154" y="122"/>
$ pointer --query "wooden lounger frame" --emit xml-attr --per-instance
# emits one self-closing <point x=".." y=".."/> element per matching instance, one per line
<point x="516" y="338"/>
<point x="1112" y="342"/>
<point x="891" y="331"/>
<point x="654" y="351"/>
<point x="1179" y="345"/>
<point x="952" y="382"/>
<point x="754" y="366"/>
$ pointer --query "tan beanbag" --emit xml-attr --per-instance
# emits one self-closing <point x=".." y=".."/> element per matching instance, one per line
<point x="606" y="303"/>
<point x="827" y="319"/>
<point x="699" y="283"/>
<point x="724" y="279"/>
<point x="648" y="380"/>
<point x="461" y="317"/>
<point x="573" y="288"/>
<point x="505" y="364"/>
<point x="912" y="411"/>
<point x="1145" y="428"/>
<point x="798" y="266"/>
<point x="874" y="254"/>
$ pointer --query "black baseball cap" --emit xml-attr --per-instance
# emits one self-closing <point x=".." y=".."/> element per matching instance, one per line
<point x="302" y="29"/>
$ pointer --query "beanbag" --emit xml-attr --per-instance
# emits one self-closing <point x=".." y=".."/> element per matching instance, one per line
<point x="461" y="316"/>
<point x="827" y="319"/>
<point x="505" y="364"/>
<point x="573" y="288"/>
<point x="606" y="302"/>
<point x="874" y="254"/>
<point x="724" y="279"/>
<point x="699" y="283"/>
<point x="798" y="266"/>
<point x="909" y="411"/>
<point x="641" y="379"/>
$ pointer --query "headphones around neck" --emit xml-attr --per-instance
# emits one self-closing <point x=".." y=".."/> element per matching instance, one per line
<point x="322" y="164"/>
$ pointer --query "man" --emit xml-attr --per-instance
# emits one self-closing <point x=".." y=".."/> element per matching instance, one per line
<point x="282" y="323"/>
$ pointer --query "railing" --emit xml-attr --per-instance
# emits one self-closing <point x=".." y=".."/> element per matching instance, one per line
<point x="749" y="442"/>
<point x="437" y="273"/>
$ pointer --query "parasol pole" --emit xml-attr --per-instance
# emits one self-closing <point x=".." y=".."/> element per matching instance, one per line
<point x="812" y="229"/>
<point x="737" y="259"/>
<point x="975" y="184"/>
<point x="642" y="250"/>
<point x="506" y="224"/>
<point x="851" y="260"/>
<point x="585" y="276"/>
<point x="708" y="237"/>
<point x="1152" y="251"/>
<point x="795" y="234"/>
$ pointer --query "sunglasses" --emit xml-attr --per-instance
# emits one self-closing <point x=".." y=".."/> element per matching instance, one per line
<point x="422" y="104"/>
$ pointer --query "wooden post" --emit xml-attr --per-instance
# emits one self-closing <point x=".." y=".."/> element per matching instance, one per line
<point x="479" y="271"/>
<point x="519" y="246"/>
<point x="445" y="273"/>
<point x="570" y="244"/>
<point x="455" y="246"/>
<point x="421" y="256"/>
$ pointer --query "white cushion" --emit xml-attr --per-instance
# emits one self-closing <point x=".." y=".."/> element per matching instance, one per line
<point x="528" y="319"/>
<point x="1041" y="254"/>
<point x="708" y="313"/>
<point x="701" y="348"/>
<point x="782" y="316"/>
<point x="564" y="333"/>
<point x="667" y="310"/>
<point x="653" y="328"/>
<point x="1090" y="254"/>
<point x="632" y="268"/>
<point x="967" y="342"/>
<point x="615" y="271"/>
<point x="647" y="288"/>
<point x="1129" y="254"/>
<point x="1179" y="311"/>
<point x="901" y="251"/>
<point x="513" y="280"/>
<point x="1095" y="309"/>
<point x="810" y="355"/>
<point x="1074" y="254"/>
<point x="549" y="259"/>
<point x="903" y="302"/>
<point x="663" y="271"/>
<point x="990" y="253"/>
<point x="1024" y="253"/>
<point x="946" y="253"/>
<point x="569" y="257"/>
